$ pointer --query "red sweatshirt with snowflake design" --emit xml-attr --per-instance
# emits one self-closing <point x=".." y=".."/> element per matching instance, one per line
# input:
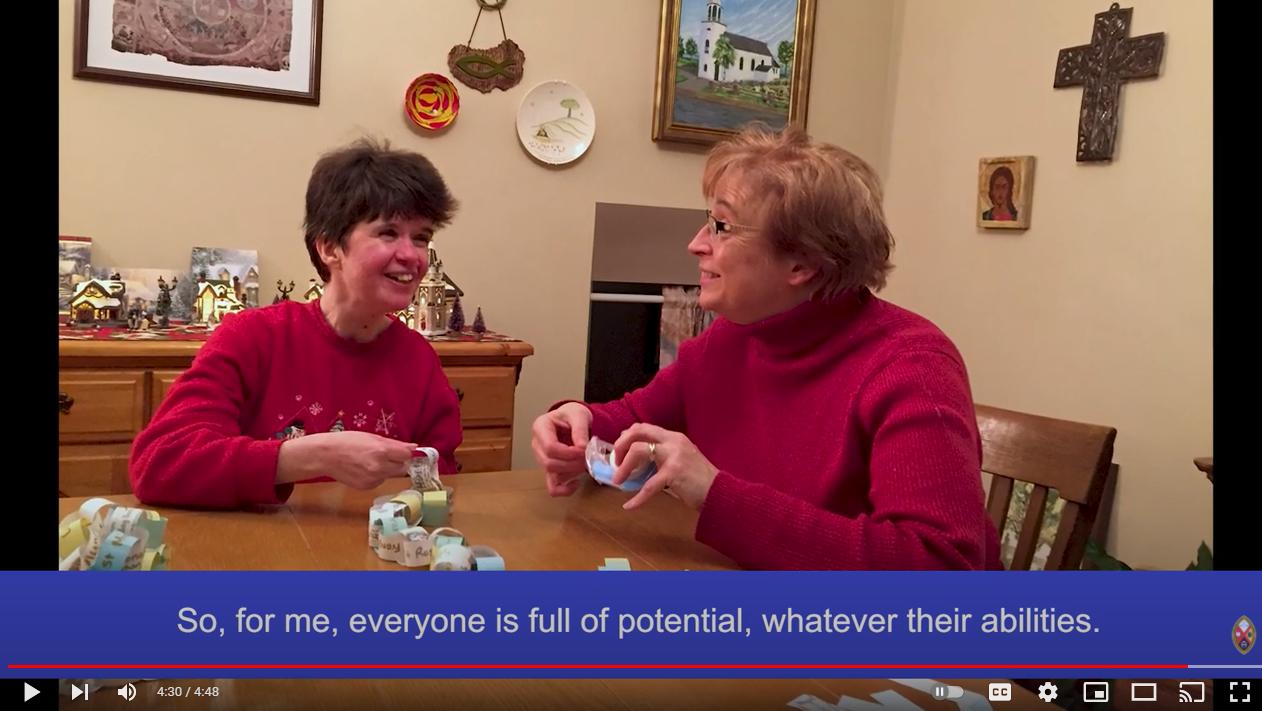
<point x="279" y="372"/>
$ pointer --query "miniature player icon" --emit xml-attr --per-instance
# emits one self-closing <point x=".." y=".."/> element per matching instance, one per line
<point x="424" y="469"/>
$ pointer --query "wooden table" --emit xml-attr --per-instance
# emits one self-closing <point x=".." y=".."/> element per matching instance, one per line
<point x="325" y="526"/>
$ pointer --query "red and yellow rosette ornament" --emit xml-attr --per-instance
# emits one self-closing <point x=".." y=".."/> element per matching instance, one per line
<point x="432" y="101"/>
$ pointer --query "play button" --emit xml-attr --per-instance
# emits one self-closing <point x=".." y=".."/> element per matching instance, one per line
<point x="30" y="691"/>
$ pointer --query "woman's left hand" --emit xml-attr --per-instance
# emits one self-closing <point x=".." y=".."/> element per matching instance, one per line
<point x="682" y="470"/>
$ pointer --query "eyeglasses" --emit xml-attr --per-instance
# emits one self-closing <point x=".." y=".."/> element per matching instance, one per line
<point x="718" y="226"/>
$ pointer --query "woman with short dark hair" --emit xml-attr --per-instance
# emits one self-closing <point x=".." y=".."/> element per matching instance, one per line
<point x="332" y="389"/>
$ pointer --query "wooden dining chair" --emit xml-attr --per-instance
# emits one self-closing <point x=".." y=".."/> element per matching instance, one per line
<point x="1057" y="459"/>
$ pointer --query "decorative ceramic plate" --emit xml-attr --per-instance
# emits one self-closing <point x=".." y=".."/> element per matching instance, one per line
<point x="556" y="123"/>
<point x="432" y="101"/>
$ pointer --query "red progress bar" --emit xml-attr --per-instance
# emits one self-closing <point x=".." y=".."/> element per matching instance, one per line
<point x="599" y="666"/>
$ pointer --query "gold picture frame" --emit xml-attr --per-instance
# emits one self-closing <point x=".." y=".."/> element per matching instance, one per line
<point x="722" y="84"/>
<point x="1005" y="192"/>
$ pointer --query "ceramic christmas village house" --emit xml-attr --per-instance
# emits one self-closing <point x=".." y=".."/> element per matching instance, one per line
<point x="217" y="298"/>
<point x="99" y="302"/>
<point x="103" y="303"/>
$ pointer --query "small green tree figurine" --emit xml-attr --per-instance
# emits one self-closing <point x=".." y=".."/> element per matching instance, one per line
<point x="479" y="326"/>
<point x="456" y="323"/>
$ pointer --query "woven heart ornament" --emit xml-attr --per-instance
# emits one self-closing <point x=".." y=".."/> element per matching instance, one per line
<point x="499" y="67"/>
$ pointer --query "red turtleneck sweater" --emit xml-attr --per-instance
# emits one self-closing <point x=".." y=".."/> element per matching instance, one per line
<point x="278" y="372"/>
<point x="845" y="436"/>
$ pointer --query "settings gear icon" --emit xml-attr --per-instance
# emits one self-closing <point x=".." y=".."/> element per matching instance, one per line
<point x="1047" y="692"/>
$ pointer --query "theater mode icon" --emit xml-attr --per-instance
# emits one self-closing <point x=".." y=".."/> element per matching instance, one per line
<point x="1244" y="635"/>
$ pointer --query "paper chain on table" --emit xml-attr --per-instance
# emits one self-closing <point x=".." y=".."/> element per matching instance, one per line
<point x="395" y="532"/>
<point x="103" y="535"/>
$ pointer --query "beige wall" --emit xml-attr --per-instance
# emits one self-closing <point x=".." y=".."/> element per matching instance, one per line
<point x="151" y="173"/>
<point x="1102" y="311"/>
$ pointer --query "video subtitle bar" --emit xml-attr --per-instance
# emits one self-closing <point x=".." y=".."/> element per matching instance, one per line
<point x="645" y="624"/>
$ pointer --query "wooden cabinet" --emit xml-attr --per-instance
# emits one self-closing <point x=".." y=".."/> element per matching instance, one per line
<point x="110" y="389"/>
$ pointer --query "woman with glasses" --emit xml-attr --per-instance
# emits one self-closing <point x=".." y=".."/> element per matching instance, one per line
<point x="812" y="425"/>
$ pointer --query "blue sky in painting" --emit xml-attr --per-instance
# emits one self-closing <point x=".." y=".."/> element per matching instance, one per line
<point x="768" y="20"/>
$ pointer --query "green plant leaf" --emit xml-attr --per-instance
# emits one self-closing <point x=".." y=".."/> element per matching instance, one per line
<point x="1102" y="560"/>
<point x="1204" y="559"/>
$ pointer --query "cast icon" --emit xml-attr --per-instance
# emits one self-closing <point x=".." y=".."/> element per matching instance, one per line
<point x="127" y="692"/>
<point x="1192" y="692"/>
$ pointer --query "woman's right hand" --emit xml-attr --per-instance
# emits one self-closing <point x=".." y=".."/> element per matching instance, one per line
<point x="360" y="460"/>
<point x="559" y="440"/>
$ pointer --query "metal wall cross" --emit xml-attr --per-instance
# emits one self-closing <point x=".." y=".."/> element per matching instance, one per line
<point x="1100" y="68"/>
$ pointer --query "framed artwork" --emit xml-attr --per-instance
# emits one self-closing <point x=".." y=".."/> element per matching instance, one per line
<point x="722" y="64"/>
<point x="1005" y="192"/>
<point x="261" y="49"/>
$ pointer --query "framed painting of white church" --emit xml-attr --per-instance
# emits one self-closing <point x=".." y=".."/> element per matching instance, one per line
<point x="722" y="64"/>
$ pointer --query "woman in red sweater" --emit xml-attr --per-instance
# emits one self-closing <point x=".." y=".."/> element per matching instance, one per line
<point x="813" y="425"/>
<point x="333" y="389"/>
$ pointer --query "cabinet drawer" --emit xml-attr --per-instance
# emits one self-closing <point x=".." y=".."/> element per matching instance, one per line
<point x="487" y="450"/>
<point x="162" y="382"/>
<point x="93" y="469"/>
<point x="486" y="394"/>
<point x="108" y="405"/>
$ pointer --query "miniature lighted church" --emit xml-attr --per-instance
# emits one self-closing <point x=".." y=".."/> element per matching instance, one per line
<point x="432" y="307"/>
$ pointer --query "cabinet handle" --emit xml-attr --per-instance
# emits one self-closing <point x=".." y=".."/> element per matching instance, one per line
<point x="459" y="395"/>
<point x="66" y="403"/>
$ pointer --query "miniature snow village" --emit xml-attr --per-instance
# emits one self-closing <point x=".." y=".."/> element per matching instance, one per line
<point x="143" y="303"/>
<point x="217" y="282"/>
<point x="104" y="303"/>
